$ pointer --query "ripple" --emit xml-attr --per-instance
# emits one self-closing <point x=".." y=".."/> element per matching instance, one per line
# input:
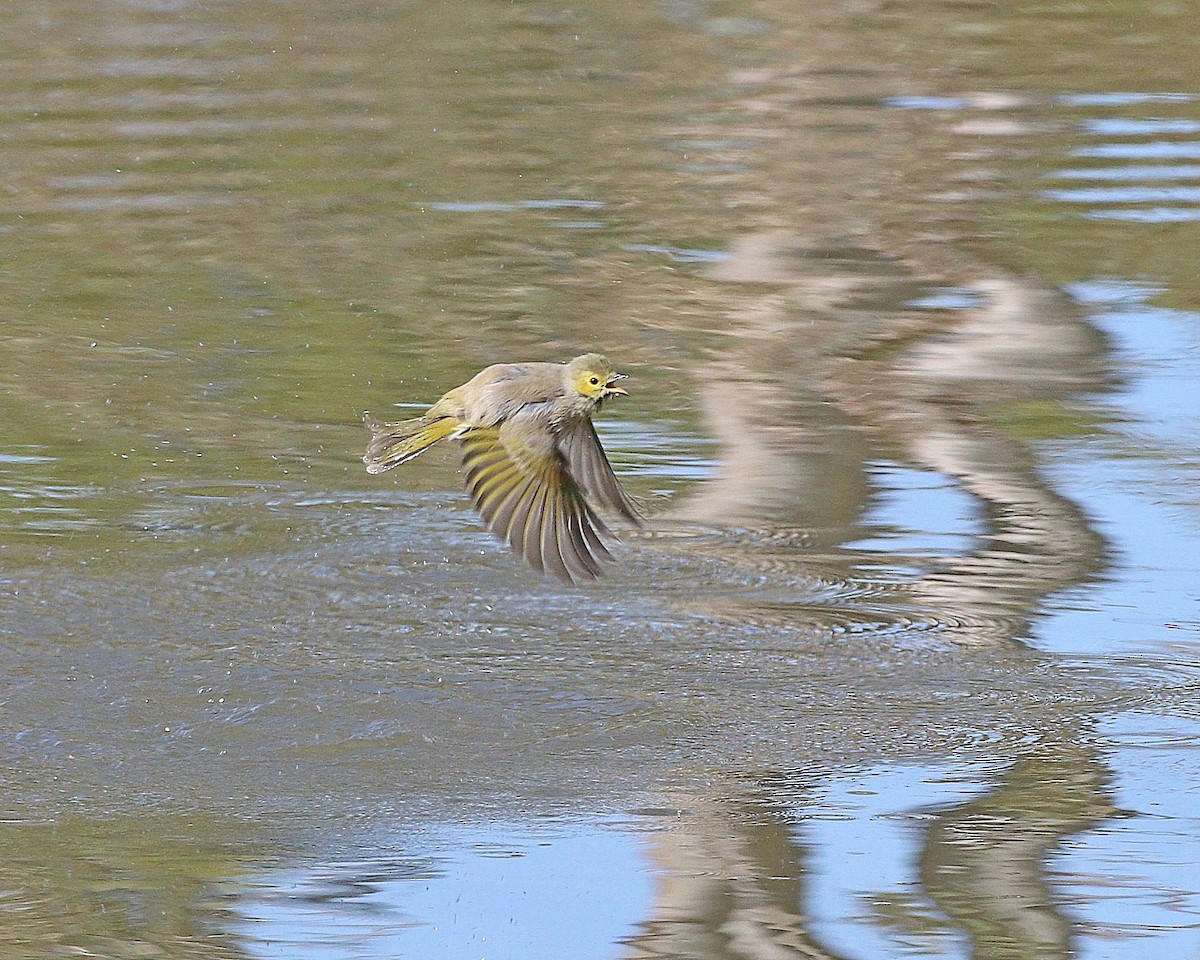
<point x="948" y="298"/>
<point x="1139" y="127"/>
<point x="1124" y="194"/>
<point x="46" y="509"/>
<point x="1143" y="190"/>
<point x="24" y="458"/>
<point x="1156" y="679"/>
<point x="679" y="254"/>
<point x="508" y="206"/>
<point x="927" y="103"/>
<point x="896" y="627"/>
<point x="1154" y="150"/>
<point x="1153" y="215"/>
<point x="1145" y="172"/>
<point x="1114" y="98"/>
<point x="143" y="202"/>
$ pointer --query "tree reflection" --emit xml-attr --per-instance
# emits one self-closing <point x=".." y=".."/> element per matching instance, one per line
<point x="985" y="863"/>
<point x="735" y="880"/>
<point x="127" y="888"/>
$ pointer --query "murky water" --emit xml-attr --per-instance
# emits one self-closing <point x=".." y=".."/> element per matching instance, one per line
<point x="905" y="664"/>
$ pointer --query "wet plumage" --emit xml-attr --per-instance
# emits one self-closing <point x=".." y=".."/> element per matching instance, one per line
<point x="534" y="466"/>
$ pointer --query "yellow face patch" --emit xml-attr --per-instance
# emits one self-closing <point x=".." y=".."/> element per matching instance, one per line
<point x="592" y="383"/>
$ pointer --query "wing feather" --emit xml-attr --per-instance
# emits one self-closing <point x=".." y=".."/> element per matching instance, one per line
<point x="575" y="551"/>
<point x="593" y="528"/>
<point x="522" y="487"/>
<point x="550" y="539"/>
<point x="528" y="522"/>
<point x="590" y="469"/>
<point x="511" y="498"/>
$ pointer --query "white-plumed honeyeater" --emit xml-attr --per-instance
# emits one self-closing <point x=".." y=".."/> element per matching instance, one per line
<point x="534" y="466"/>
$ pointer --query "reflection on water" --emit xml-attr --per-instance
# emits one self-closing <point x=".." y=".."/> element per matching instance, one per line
<point x="71" y="886"/>
<point x="961" y="869"/>
<point x="499" y="891"/>
<point x="904" y="665"/>
<point x="1137" y="185"/>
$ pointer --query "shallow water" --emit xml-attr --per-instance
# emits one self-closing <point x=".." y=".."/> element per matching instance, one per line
<point x="905" y="663"/>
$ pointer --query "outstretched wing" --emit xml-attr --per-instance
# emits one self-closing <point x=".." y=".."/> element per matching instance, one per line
<point x="519" y="482"/>
<point x="590" y="469"/>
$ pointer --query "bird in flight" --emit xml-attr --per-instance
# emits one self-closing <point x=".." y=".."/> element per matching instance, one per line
<point x="535" y="469"/>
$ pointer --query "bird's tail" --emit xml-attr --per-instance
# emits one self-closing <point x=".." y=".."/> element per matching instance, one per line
<point x="395" y="443"/>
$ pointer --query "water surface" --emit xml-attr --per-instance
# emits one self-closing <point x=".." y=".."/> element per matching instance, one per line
<point x="904" y="665"/>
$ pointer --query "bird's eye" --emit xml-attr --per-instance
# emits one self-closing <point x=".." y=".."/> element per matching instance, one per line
<point x="595" y="381"/>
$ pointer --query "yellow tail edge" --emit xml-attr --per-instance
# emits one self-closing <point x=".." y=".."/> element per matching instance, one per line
<point x="395" y="443"/>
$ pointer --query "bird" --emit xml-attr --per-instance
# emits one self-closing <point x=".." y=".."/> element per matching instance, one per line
<point x="534" y="466"/>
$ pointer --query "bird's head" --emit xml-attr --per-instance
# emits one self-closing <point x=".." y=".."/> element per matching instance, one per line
<point x="593" y="377"/>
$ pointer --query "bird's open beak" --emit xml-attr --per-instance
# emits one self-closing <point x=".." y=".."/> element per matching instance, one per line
<point x="616" y="391"/>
